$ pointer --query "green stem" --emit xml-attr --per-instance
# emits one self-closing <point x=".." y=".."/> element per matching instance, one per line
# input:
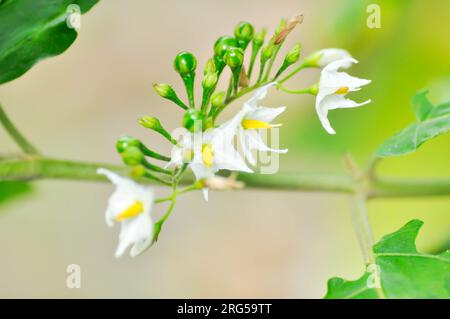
<point x="311" y="90"/>
<point x="295" y="71"/>
<point x="36" y="167"/>
<point x="177" y="192"/>
<point x="362" y="227"/>
<point x="271" y="61"/>
<point x="230" y="87"/>
<point x="21" y="141"/>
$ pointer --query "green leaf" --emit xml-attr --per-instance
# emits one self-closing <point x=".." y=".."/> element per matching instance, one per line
<point x="421" y="105"/>
<point x="12" y="190"/>
<point x="402" y="271"/>
<point x="431" y="122"/>
<point x="31" y="30"/>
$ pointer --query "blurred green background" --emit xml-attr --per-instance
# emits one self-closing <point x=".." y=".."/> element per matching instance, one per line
<point x="240" y="244"/>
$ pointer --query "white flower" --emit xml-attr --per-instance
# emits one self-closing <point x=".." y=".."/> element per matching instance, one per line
<point x="130" y="205"/>
<point x="251" y="119"/>
<point x="208" y="152"/>
<point x="332" y="88"/>
<point x="324" y="57"/>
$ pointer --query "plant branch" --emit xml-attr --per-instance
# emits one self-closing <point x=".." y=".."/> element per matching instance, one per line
<point x="37" y="167"/>
<point x="20" y="140"/>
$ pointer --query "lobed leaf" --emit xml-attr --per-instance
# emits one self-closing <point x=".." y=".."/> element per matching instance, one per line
<point x="11" y="190"/>
<point x="403" y="271"/>
<point x="31" y="30"/>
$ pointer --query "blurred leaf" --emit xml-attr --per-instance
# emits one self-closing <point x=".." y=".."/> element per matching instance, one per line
<point x="31" y="30"/>
<point x="432" y="121"/>
<point x="12" y="190"/>
<point x="403" y="271"/>
<point x="421" y="105"/>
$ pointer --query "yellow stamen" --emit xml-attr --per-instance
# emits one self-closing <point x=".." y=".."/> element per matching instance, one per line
<point x="342" y="90"/>
<point x="131" y="211"/>
<point x="255" y="124"/>
<point x="188" y="155"/>
<point x="207" y="154"/>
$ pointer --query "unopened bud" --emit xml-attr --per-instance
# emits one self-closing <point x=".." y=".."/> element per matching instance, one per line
<point x="258" y="40"/>
<point x="210" y="80"/>
<point x="125" y="142"/>
<point x="150" y="122"/>
<point x="164" y="90"/>
<point x="267" y="52"/>
<point x="210" y="66"/>
<point x="193" y="120"/>
<point x="324" y="57"/>
<point x="185" y="63"/>
<point x="234" y="57"/>
<point x="132" y="156"/>
<point x="244" y="32"/>
<point x="217" y="99"/>
<point x="222" y="44"/>
<point x="138" y="171"/>
<point x="154" y="124"/>
<point x="293" y="55"/>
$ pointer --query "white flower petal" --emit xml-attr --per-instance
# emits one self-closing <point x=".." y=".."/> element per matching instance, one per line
<point x="144" y="236"/>
<point x="230" y="159"/>
<point x="245" y="143"/>
<point x="330" y="55"/>
<point x="332" y="102"/>
<point x="265" y="114"/>
<point x="259" y="95"/>
<point x="255" y="142"/>
<point x="201" y="171"/>
<point x="137" y="229"/>
<point x="333" y="86"/>
<point x="337" y="64"/>
<point x="205" y="192"/>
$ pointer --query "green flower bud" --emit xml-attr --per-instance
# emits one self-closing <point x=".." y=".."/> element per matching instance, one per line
<point x="244" y="32"/>
<point x="132" y="156"/>
<point x="267" y="52"/>
<point x="258" y="40"/>
<point x="125" y="142"/>
<point x="138" y="171"/>
<point x="150" y="122"/>
<point x="154" y="124"/>
<point x="217" y="99"/>
<point x="234" y="57"/>
<point x="210" y="80"/>
<point x="193" y="120"/>
<point x="293" y="55"/>
<point x="185" y="63"/>
<point x="164" y="90"/>
<point x="222" y="44"/>
<point x="210" y="67"/>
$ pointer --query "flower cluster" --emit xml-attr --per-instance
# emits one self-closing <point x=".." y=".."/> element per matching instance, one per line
<point x="209" y="149"/>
